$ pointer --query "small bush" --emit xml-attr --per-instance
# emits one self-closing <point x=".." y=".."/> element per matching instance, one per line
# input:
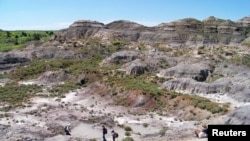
<point x="127" y="128"/>
<point x="145" y="125"/>
<point x="128" y="139"/>
<point x="127" y="133"/>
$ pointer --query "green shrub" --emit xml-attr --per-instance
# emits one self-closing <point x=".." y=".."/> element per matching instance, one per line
<point x="127" y="133"/>
<point x="145" y="125"/>
<point x="206" y="104"/>
<point x="128" y="139"/>
<point x="127" y="128"/>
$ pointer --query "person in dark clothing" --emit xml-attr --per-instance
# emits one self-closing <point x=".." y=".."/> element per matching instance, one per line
<point x="104" y="132"/>
<point x="114" y="135"/>
<point x="67" y="129"/>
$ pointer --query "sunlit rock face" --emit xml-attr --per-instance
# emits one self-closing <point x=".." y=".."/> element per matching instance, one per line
<point x="188" y="32"/>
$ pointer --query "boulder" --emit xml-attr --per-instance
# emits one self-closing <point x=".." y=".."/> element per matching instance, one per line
<point x="120" y="57"/>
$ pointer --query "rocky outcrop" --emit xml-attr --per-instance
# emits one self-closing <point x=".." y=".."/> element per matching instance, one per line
<point x="79" y="29"/>
<point x="188" y="85"/>
<point x="237" y="86"/>
<point x="184" y="32"/>
<point x="87" y="23"/>
<point x="230" y="70"/>
<point x="123" y="24"/>
<point x="52" y="52"/>
<point x="244" y="21"/>
<point x="198" y="71"/>
<point x="136" y="67"/>
<point x="4" y="129"/>
<point x="239" y="116"/>
<point x="11" y="59"/>
<point x="184" y="25"/>
<point x="120" y="57"/>
<point x="52" y="78"/>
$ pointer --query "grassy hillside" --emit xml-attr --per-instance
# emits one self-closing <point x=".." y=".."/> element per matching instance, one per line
<point x="10" y="40"/>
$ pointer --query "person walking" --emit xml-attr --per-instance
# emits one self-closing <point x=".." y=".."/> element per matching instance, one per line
<point x="104" y="132"/>
<point x="114" y="135"/>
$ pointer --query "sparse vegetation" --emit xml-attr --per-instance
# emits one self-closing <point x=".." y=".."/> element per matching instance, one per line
<point x="163" y="131"/>
<point x="145" y="125"/>
<point x="61" y="89"/>
<point x="128" y="139"/>
<point x="206" y="104"/>
<point x="246" y="60"/>
<point x="10" y="40"/>
<point x="15" y="95"/>
<point x="127" y="128"/>
<point x="135" y="83"/>
<point x="127" y="133"/>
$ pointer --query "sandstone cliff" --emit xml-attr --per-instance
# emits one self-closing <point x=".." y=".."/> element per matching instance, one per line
<point x="184" y="32"/>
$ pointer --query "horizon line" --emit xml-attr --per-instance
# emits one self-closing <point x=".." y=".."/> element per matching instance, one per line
<point x="63" y="25"/>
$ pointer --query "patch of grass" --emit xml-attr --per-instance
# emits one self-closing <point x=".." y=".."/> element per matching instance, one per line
<point x="246" y="60"/>
<point x="93" y="47"/>
<point x="89" y="65"/>
<point x="60" y="90"/>
<point x="206" y="104"/>
<point x="35" y="68"/>
<point x="15" y="95"/>
<point x="2" y="76"/>
<point x="130" y="82"/>
<point x="121" y="101"/>
<point x="31" y="70"/>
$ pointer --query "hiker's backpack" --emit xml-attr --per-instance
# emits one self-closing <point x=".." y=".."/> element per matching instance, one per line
<point x="116" y="135"/>
<point x="105" y="131"/>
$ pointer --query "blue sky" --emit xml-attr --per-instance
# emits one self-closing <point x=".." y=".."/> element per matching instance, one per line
<point x="58" y="14"/>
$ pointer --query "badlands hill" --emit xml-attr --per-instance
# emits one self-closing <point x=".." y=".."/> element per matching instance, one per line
<point x="147" y="83"/>
<point x="185" y="32"/>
